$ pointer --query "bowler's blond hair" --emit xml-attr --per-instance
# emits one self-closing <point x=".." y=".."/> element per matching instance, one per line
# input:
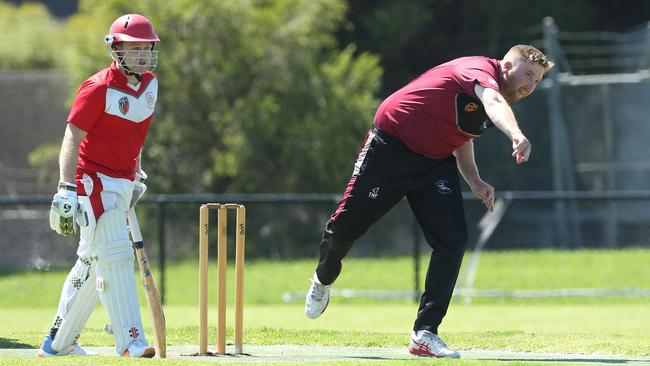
<point x="531" y="54"/>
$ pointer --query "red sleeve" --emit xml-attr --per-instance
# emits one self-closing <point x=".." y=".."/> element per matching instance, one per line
<point x="478" y="71"/>
<point x="88" y="105"/>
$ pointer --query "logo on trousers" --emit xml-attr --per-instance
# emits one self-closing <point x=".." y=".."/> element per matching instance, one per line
<point x="374" y="193"/>
<point x="99" y="284"/>
<point x="442" y="186"/>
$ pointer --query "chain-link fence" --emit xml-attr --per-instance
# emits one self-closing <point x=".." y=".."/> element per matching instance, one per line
<point x="291" y="227"/>
<point x="33" y="113"/>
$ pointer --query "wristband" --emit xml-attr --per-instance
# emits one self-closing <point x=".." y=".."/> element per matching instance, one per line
<point x="68" y="186"/>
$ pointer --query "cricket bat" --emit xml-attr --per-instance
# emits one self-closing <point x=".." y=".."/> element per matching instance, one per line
<point x="153" y="297"/>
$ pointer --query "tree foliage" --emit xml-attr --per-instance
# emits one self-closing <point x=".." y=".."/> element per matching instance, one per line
<point x="255" y="96"/>
<point x="31" y="37"/>
<point x="275" y="95"/>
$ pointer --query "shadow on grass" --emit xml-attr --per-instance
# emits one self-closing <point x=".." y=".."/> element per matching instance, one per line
<point x="9" y="272"/>
<point x="572" y="360"/>
<point x="12" y="343"/>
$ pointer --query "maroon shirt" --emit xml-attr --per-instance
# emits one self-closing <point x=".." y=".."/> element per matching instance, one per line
<point x="438" y="112"/>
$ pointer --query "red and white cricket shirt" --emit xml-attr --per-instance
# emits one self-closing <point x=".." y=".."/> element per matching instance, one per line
<point x="116" y="118"/>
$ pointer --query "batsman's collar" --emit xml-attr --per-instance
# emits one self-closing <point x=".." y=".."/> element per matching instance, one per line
<point x="117" y="73"/>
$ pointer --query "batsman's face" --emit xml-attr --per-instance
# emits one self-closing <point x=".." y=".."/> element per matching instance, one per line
<point x="520" y="79"/>
<point x="137" y="56"/>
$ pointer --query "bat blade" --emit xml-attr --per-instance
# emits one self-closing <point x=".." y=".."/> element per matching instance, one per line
<point x="151" y="291"/>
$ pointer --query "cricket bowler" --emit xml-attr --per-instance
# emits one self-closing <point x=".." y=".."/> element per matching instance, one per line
<point x="422" y="136"/>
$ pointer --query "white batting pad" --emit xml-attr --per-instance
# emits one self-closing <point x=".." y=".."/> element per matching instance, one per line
<point x="78" y="300"/>
<point x="115" y="278"/>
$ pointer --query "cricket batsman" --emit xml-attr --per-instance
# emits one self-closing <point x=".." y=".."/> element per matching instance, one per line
<point x="100" y="179"/>
<point x="422" y="136"/>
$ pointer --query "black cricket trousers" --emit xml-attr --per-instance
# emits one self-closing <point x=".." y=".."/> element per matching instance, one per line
<point x="386" y="171"/>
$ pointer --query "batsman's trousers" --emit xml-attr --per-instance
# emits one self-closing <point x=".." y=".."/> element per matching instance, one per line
<point x="386" y="171"/>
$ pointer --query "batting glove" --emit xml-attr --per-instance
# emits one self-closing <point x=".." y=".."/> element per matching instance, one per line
<point x="63" y="209"/>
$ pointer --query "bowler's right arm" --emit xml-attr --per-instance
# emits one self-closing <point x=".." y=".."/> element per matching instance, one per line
<point x="500" y="113"/>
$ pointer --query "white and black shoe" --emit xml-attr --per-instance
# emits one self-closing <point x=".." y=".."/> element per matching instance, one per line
<point x="72" y="350"/>
<point x="139" y="348"/>
<point x="317" y="299"/>
<point x="428" y="344"/>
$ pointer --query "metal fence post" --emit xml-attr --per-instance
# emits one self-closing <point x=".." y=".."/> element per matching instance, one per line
<point x="563" y="178"/>
<point x="555" y="116"/>
<point x="611" y="224"/>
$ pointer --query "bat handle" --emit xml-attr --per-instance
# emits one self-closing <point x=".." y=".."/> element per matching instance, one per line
<point x="134" y="226"/>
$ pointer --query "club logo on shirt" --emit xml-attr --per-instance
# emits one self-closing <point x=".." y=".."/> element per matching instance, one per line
<point x="442" y="186"/>
<point x="124" y="105"/>
<point x="471" y="107"/>
<point x="151" y="100"/>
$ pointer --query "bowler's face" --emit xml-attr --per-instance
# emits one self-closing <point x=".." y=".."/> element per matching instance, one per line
<point x="521" y="80"/>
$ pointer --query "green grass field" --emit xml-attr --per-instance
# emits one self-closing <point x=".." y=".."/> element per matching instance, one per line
<point x="567" y="325"/>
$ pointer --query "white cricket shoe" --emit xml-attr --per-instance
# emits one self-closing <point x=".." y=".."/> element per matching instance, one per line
<point x="318" y="297"/>
<point x="428" y="344"/>
<point x="139" y="348"/>
<point x="72" y="350"/>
